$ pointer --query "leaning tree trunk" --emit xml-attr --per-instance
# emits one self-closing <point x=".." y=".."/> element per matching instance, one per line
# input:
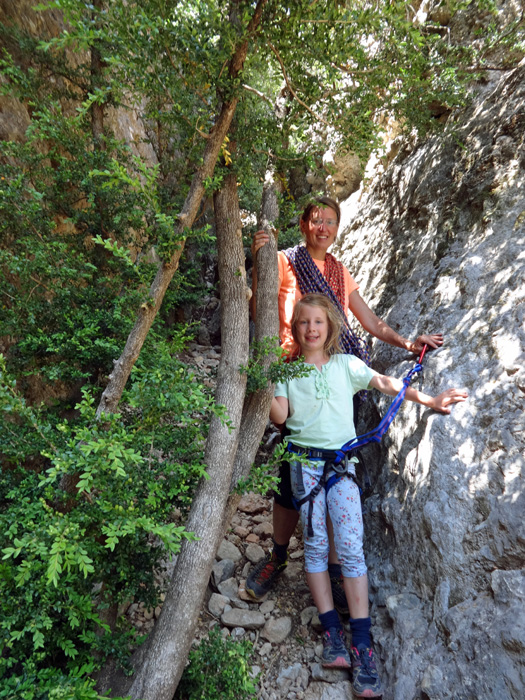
<point x="173" y="633"/>
<point x="148" y="311"/>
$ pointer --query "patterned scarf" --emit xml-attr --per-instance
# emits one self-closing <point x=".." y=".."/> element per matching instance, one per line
<point x="331" y="284"/>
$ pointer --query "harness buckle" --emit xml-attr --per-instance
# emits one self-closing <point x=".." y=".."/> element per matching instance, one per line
<point x="342" y="467"/>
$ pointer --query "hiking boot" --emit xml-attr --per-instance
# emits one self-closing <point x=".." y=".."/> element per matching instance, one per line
<point x="263" y="575"/>
<point x="365" y="679"/>
<point x="339" y="596"/>
<point x="335" y="653"/>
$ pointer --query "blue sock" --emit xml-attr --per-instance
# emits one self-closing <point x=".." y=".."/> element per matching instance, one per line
<point x="280" y="551"/>
<point x="330" y="619"/>
<point x="334" y="570"/>
<point x="361" y="631"/>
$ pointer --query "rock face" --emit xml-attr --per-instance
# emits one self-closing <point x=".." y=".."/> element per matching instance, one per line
<point x="125" y="123"/>
<point x="438" y="244"/>
<point x="344" y="174"/>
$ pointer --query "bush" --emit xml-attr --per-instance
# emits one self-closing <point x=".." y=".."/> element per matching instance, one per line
<point x="68" y="556"/>
<point x="218" y="670"/>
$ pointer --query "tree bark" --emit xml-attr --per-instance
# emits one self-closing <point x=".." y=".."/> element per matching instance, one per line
<point x="173" y="633"/>
<point x="97" y="65"/>
<point x="148" y="311"/>
<point x="257" y="405"/>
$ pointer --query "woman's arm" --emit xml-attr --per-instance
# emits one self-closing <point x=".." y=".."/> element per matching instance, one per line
<point x="279" y="410"/>
<point x="441" y="403"/>
<point x="378" y="328"/>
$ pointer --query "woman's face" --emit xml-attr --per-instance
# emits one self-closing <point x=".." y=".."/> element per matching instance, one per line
<point x="320" y="230"/>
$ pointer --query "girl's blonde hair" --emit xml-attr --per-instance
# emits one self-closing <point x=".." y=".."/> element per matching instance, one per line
<point x="335" y="322"/>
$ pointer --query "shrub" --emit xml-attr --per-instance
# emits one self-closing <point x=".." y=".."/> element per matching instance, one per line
<point x="70" y="556"/>
<point x="218" y="670"/>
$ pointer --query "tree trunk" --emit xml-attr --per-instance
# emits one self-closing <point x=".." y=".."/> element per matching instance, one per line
<point x="169" y="645"/>
<point x="173" y="633"/>
<point x="148" y="311"/>
<point x="257" y="405"/>
<point x="97" y="65"/>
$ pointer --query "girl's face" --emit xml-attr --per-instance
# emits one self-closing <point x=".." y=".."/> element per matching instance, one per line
<point x="312" y="328"/>
<point x="320" y="230"/>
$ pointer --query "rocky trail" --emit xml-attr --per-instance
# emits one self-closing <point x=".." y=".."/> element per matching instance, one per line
<point x="284" y="626"/>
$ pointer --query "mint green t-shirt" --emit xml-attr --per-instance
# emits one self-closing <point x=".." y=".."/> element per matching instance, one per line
<point x="321" y="412"/>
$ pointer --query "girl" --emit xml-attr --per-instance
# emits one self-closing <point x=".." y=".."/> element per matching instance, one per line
<point x="318" y="411"/>
<point x="311" y="268"/>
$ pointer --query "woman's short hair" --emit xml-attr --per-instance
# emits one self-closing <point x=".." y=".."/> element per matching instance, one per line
<point x="321" y="203"/>
<point x="335" y="321"/>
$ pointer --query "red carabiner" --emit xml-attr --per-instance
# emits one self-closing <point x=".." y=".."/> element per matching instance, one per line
<point x="420" y="360"/>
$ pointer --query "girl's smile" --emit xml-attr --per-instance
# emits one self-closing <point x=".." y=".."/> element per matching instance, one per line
<point x="312" y="328"/>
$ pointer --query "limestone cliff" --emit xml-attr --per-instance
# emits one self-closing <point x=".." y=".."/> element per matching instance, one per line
<point x="124" y="122"/>
<point x="438" y="244"/>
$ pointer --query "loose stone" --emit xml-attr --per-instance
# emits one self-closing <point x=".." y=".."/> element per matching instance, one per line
<point x="276" y="630"/>
<point x="254" y="553"/>
<point x="229" y="588"/>
<point x="248" y="619"/>
<point x="264" y="529"/>
<point x="221" y="571"/>
<point x="330" y="675"/>
<point x="265" y="649"/>
<point x="216" y="604"/>
<point x="267" y="607"/>
<point x="252" y="503"/>
<point x="227" y="550"/>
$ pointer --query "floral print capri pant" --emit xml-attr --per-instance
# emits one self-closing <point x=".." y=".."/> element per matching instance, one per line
<point x="343" y="503"/>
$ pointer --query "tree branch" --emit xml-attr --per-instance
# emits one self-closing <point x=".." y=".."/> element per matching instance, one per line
<point x="296" y="97"/>
<point x="147" y="312"/>
<point x="272" y="155"/>
<point x="258" y="93"/>
<point x="352" y="71"/>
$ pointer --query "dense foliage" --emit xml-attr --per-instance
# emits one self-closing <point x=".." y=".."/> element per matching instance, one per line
<point x="89" y="510"/>
<point x="68" y="559"/>
<point x="218" y="670"/>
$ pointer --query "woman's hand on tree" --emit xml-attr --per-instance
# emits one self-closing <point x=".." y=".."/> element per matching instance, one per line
<point x="260" y="239"/>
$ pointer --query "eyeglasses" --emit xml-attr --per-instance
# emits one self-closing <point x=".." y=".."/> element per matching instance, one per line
<point x="326" y="222"/>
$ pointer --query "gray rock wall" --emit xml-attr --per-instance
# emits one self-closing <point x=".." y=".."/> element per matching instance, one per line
<point x="438" y="244"/>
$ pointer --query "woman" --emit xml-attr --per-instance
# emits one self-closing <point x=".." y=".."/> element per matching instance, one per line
<point x="304" y="269"/>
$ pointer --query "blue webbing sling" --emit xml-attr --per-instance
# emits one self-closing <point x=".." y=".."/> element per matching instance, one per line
<point x="333" y="458"/>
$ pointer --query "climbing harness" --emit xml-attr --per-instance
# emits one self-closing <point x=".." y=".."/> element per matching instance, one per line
<point x="329" y="457"/>
<point x="337" y="460"/>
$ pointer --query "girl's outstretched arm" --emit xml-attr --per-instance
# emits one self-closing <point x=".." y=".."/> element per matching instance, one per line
<point x="279" y="410"/>
<point x="441" y="403"/>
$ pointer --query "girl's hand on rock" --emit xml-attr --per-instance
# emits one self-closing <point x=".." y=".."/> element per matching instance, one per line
<point x="443" y="401"/>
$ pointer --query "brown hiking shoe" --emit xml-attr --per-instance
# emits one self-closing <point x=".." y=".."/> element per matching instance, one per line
<point x="263" y="575"/>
